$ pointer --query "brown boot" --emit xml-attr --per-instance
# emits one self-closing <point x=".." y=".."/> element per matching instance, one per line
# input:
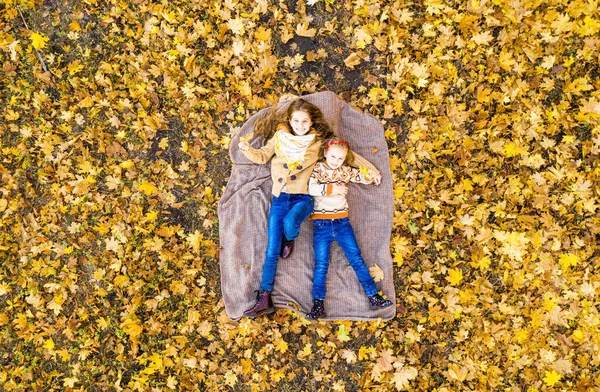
<point x="286" y="248"/>
<point x="263" y="304"/>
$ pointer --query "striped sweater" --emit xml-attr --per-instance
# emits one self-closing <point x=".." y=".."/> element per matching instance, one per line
<point x="320" y="186"/>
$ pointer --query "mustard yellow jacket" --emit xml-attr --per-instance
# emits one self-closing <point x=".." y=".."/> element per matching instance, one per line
<point x="295" y="180"/>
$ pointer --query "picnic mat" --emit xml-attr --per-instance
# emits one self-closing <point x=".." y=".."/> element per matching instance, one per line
<point x="244" y="208"/>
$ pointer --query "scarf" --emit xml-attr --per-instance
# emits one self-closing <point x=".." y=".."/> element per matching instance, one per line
<point x="291" y="148"/>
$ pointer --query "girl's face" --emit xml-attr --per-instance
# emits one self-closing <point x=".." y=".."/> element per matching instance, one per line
<point x="335" y="156"/>
<point x="300" y="122"/>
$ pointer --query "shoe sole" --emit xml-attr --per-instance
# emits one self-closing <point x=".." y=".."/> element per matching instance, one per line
<point x="380" y="307"/>
<point x="266" y="311"/>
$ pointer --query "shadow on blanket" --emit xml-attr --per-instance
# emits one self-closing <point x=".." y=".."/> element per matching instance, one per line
<point x="243" y="212"/>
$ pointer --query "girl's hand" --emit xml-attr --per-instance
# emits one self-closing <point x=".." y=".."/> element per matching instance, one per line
<point x="244" y="146"/>
<point x="376" y="177"/>
<point x="339" y="189"/>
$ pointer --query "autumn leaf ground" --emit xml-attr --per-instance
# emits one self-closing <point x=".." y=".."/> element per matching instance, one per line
<point x="113" y="161"/>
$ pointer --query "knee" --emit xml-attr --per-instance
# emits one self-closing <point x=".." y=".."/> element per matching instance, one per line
<point x="273" y="252"/>
<point x="355" y="259"/>
<point x="289" y="228"/>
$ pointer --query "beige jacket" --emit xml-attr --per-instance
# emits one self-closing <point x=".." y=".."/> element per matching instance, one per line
<point x="296" y="180"/>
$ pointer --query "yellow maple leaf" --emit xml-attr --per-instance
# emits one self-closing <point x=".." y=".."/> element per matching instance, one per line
<point x="365" y="353"/>
<point x="172" y="382"/>
<point x="38" y="40"/>
<point x="64" y="355"/>
<point x="302" y="30"/>
<point x="236" y="26"/>
<point x="342" y="334"/>
<point x="482" y="38"/>
<point x="4" y="288"/>
<point x="455" y="276"/>
<point x="506" y="60"/>
<point x="74" y="26"/>
<point x="551" y="378"/>
<point x="164" y="143"/>
<point x="349" y="356"/>
<point x="102" y="228"/>
<point x="49" y="344"/>
<point x="230" y="378"/>
<point x="281" y="345"/>
<point x="549" y="302"/>
<point x="590" y="26"/>
<point x="376" y="273"/>
<point x="262" y="34"/>
<point x="352" y="60"/>
<point x="483" y="263"/>
<point x="578" y="336"/>
<point x="132" y="328"/>
<point x="578" y="85"/>
<point x="512" y="149"/>
<point x="70" y="381"/>
<point x="102" y="323"/>
<point x="277" y="375"/>
<point x="147" y="188"/>
<point x="567" y="260"/>
<point x="403" y="375"/>
<point x="126" y="164"/>
<point x="194" y="240"/>
<point x="75" y="67"/>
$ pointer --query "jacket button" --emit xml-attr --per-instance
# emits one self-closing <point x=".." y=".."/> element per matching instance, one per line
<point x="285" y="166"/>
<point x="280" y="180"/>
<point x="299" y="167"/>
<point x="293" y="178"/>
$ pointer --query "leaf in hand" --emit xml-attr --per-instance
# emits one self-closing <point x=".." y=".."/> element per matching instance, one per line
<point x="247" y="137"/>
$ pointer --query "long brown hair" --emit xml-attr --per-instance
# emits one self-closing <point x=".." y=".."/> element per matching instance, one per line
<point x="266" y="125"/>
<point x="336" y="141"/>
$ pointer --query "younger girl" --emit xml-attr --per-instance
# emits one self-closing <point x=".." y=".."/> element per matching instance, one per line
<point x="328" y="187"/>
<point x="293" y="145"/>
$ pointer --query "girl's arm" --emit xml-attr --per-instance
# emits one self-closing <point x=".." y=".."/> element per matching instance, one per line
<point x="259" y="155"/>
<point x="359" y="177"/>
<point x="361" y="162"/>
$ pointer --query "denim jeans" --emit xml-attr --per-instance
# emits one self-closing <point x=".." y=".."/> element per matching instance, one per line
<point x="287" y="212"/>
<point x="325" y="232"/>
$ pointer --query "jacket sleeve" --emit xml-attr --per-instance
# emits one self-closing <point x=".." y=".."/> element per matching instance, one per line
<point x="358" y="177"/>
<point x="261" y="155"/>
<point x="360" y="162"/>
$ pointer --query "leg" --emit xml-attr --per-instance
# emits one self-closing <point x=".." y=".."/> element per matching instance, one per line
<point x="344" y="235"/>
<point x="301" y="209"/>
<point x="323" y="239"/>
<point x="275" y="234"/>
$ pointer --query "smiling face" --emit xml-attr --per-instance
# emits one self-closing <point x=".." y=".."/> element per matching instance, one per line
<point x="335" y="156"/>
<point x="300" y="122"/>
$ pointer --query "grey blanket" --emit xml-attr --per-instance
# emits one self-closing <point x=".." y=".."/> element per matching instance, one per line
<point x="244" y="209"/>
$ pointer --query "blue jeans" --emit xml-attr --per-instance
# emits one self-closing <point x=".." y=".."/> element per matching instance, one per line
<point x="329" y="230"/>
<point x="287" y="212"/>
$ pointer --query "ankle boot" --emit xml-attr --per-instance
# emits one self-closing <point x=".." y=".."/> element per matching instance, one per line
<point x="264" y="304"/>
<point x="317" y="311"/>
<point x="286" y="248"/>
<point x="377" y="302"/>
